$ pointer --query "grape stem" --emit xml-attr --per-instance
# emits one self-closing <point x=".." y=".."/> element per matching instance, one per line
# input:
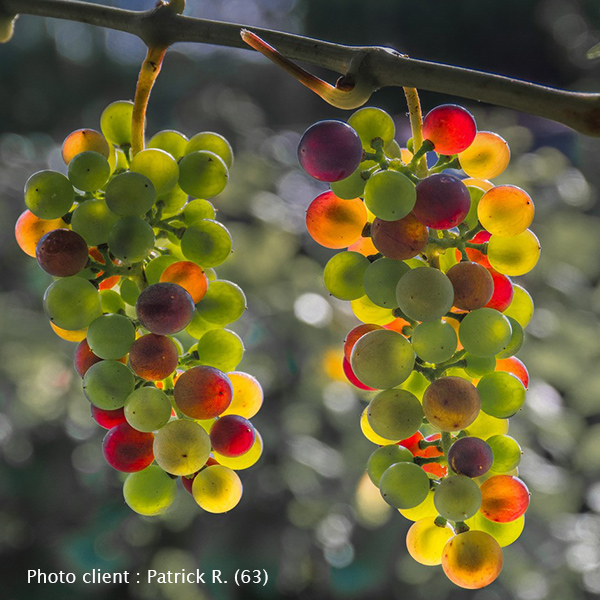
<point x="148" y="74"/>
<point x="377" y="67"/>
<point x="418" y="162"/>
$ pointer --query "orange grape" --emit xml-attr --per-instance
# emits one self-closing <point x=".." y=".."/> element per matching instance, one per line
<point x="487" y="157"/>
<point x="83" y="140"/>
<point x="29" y="230"/>
<point x="506" y="210"/>
<point x="189" y="276"/>
<point x="504" y="498"/>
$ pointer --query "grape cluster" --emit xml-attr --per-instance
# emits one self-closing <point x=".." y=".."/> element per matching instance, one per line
<point x="132" y="243"/>
<point x="427" y="259"/>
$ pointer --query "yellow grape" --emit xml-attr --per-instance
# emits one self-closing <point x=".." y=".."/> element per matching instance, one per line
<point x="506" y="210"/>
<point x="421" y="511"/>
<point x="521" y="306"/>
<point x="368" y="312"/>
<point x="70" y="336"/>
<point x="485" y="426"/>
<point x="504" y="533"/>
<point x="482" y="184"/>
<point x="515" y="255"/>
<point x="217" y="489"/>
<point x="247" y="395"/>
<point x="370" y="434"/>
<point x="472" y="559"/>
<point x="425" y="541"/>
<point x="487" y="157"/>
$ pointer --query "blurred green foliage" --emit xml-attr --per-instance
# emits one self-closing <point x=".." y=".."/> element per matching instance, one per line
<point x="307" y="516"/>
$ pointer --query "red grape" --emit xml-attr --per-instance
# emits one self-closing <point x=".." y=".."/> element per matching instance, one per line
<point x="451" y="128"/>
<point x="127" y="449"/>
<point x="232" y="435"/>
<point x="203" y="392"/>
<point x="108" y="418"/>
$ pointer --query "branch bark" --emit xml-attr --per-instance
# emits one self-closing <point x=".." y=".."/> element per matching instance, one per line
<point x="377" y="66"/>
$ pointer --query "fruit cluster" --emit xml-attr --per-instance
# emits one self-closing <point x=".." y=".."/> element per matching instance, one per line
<point x="428" y="252"/>
<point x="132" y="244"/>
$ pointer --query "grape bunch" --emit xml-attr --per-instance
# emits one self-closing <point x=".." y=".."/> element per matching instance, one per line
<point x="132" y="243"/>
<point x="426" y="261"/>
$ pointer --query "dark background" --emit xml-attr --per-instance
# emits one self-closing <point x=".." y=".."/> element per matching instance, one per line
<point x="304" y="517"/>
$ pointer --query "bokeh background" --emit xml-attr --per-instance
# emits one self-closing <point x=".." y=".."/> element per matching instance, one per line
<point x="307" y="516"/>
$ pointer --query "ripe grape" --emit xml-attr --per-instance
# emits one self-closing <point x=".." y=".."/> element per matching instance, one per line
<point x="470" y="456"/>
<point x="451" y="128"/>
<point x="515" y="366"/>
<point x="505" y="210"/>
<point x="247" y="395"/>
<point x="451" y="403"/>
<point x="62" y="253"/>
<point x="330" y="150"/>
<point x="84" y="358"/>
<point x="149" y="492"/>
<point x="232" y="435"/>
<point x="503" y="291"/>
<point x="246" y="460"/>
<point x="443" y="201"/>
<point x="153" y="357"/>
<point x="514" y="255"/>
<point x="181" y="447"/>
<point x="203" y="392"/>
<point x="164" y="308"/>
<point x="473" y="285"/>
<point x="29" y="230"/>
<point x="83" y="140"/>
<point x="399" y="240"/>
<point x="108" y="418"/>
<point x="472" y="559"/>
<point x="335" y="223"/>
<point x="189" y="276"/>
<point x="504" y="498"/>
<point x="126" y="449"/>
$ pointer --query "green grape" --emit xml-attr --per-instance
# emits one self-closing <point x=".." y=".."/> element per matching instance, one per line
<point x="395" y="414"/>
<point x="111" y="336"/>
<point x="390" y="195"/>
<point x="159" y="167"/>
<point x="217" y="489"/>
<point x="130" y="194"/>
<point x="385" y="457"/>
<point x="147" y="409"/>
<point x="477" y="366"/>
<point x="434" y="341"/>
<point x="485" y="426"/>
<point x="502" y="394"/>
<point x="507" y="453"/>
<point x="198" y="326"/>
<point x="404" y="485"/>
<point x="49" y="194"/>
<point x="416" y="383"/>
<point x="207" y="243"/>
<point x="213" y="142"/>
<point x="381" y="279"/>
<point x="154" y="269"/>
<point x="521" y="306"/>
<point x="149" y="492"/>
<point x="471" y="219"/>
<point x="107" y="384"/>
<point x="382" y="358"/>
<point x="448" y="259"/>
<point x="371" y="123"/>
<point x="111" y="301"/>
<point x="181" y="447"/>
<point x="170" y="141"/>
<point x="223" y="303"/>
<point x="514" y="255"/>
<point x="457" y="498"/>
<point x="425" y="541"/>
<point x="484" y="332"/>
<point x="88" y="171"/>
<point x="115" y="122"/>
<point x="130" y="292"/>
<point x="220" y="348"/>
<point x="172" y="202"/>
<point x="198" y="210"/>
<point x="354" y="185"/>
<point x="203" y="174"/>
<point x="131" y="239"/>
<point x="425" y="294"/>
<point x="393" y="149"/>
<point x="72" y="303"/>
<point x="504" y="533"/>
<point x="93" y="220"/>
<point x="516" y="339"/>
<point x="344" y="274"/>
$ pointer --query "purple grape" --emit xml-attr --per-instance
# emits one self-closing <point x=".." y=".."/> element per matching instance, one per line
<point x="443" y="201"/>
<point x="330" y="151"/>
<point x="62" y="253"/>
<point x="470" y="456"/>
<point x="164" y="308"/>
